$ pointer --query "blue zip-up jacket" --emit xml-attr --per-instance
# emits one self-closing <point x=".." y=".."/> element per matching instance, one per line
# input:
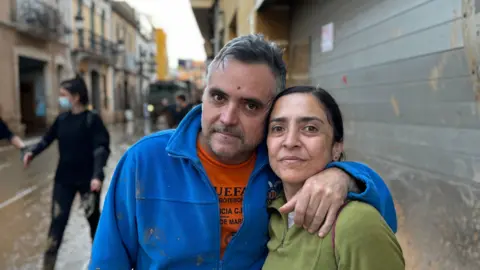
<point x="161" y="211"/>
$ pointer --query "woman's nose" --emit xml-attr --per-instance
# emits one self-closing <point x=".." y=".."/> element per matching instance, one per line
<point x="291" y="139"/>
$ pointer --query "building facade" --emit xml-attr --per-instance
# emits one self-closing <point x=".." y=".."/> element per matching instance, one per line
<point x="193" y="72"/>
<point x="124" y="29"/>
<point x="145" y="55"/>
<point x="406" y="76"/>
<point x="35" y="58"/>
<point x="94" y="54"/>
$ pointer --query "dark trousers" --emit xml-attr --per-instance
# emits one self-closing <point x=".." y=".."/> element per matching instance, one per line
<point x="63" y="196"/>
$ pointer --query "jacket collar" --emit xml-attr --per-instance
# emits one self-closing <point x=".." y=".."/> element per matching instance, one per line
<point x="183" y="142"/>
<point x="278" y="202"/>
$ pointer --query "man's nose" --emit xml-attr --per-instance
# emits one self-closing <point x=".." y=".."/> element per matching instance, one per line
<point x="229" y="116"/>
<point x="291" y="139"/>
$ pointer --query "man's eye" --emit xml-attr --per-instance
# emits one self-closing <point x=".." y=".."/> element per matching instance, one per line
<point x="218" y="97"/>
<point x="251" y="106"/>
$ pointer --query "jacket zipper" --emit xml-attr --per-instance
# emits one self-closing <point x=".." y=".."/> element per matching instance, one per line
<point x="244" y="209"/>
<point x="200" y="169"/>
<point x="254" y="174"/>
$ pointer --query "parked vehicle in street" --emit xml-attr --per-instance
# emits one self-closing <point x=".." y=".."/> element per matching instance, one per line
<point x="162" y="95"/>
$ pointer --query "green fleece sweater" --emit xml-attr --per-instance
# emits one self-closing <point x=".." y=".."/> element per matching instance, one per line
<point x="363" y="241"/>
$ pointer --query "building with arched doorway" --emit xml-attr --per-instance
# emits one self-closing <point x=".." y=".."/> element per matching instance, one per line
<point x="35" y="57"/>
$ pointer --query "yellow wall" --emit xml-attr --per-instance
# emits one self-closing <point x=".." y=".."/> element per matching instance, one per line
<point x="162" y="56"/>
<point x="230" y="7"/>
<point x="98" y="23"/>
<point x="115" y="24"/>
<point x="244" y="10"/>
<point x="86" y="17"/>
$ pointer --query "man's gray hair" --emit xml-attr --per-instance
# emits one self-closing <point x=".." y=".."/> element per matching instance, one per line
<point x="253" y="49"/>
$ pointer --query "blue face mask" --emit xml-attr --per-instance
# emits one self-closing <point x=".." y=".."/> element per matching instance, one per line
<point x="64" y="103"/>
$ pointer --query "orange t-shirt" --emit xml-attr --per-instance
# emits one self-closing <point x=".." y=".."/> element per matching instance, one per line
<point x="229" y="182"/>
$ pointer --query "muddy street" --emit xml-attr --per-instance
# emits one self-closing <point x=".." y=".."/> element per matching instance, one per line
<point x="25" y="203"/>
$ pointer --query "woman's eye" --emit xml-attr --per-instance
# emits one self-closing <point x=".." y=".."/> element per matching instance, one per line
<point x="276" y="129"/>
<point x="310" y="129"/>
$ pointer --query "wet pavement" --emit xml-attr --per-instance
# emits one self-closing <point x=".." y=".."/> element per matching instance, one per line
<point x="25" y="202"/>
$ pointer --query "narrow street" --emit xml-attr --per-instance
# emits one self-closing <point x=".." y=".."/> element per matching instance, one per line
<point x="25" y="199"/>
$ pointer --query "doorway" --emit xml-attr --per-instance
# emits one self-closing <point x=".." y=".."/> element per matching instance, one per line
<point x="33" y="101"/>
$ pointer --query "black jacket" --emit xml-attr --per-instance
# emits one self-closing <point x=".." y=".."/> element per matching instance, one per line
<point x="83" y="145"/>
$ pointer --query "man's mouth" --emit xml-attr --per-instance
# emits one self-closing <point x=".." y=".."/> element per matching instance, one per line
<point x="228" y="134"/>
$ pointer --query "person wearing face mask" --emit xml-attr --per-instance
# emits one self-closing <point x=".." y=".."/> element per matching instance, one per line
<point x="83" y="145"/>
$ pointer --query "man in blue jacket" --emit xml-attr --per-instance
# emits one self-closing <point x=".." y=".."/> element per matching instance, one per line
<point x="196" y="197"/>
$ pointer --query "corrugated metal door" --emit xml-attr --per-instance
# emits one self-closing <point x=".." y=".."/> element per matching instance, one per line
<point x="405" y="74"/>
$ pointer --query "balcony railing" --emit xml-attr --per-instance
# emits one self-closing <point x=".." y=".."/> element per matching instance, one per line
<point x="38" y="17"/>
<point x="95" y="45"/>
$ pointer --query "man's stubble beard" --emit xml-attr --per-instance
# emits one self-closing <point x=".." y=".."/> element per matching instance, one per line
<point x="243" y="151"/>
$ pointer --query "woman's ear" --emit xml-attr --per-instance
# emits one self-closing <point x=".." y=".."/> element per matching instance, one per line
<point x="337" y="151"/>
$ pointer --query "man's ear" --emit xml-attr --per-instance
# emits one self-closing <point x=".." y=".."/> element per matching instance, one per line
<point x="337" y="151"/>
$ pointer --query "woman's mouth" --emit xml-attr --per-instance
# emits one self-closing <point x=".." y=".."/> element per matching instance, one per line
<point x="291" y="160"/>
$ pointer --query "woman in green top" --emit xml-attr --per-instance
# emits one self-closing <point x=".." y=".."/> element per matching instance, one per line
<point x="305" y="129"/>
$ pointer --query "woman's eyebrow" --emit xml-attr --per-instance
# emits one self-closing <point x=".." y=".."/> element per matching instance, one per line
<point x="278" y="119"/>
<point x="301" y="119"/>
<point x="310" y="119"/>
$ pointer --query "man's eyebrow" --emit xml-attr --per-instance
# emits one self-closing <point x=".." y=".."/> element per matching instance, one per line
<point x="255" y="101"/>
<point x="218" y="91"/>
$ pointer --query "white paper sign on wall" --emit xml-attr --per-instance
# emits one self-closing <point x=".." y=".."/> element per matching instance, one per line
<point x="327" y="37"/>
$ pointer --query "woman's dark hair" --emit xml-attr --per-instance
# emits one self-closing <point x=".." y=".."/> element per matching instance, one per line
<point x="334" y="115"/>
<point x="77" y="86"/>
